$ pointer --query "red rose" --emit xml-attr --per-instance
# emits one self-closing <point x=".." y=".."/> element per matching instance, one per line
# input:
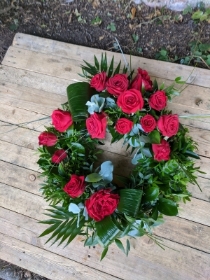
<point x="142" y="80"/>
<point x="158" y="100"/>
<point x="47" y="139"/>
<point x="123" y="126"/>
<point x="96" y="125"/>
<point x="99" y="81"/>
<point x="58" y="156"/>
<point x="168" y="125"/>
<point x="76" y="186"/>
<point x="130" y="101"/>
<point x="61" y="120"/>
<point x="161" y="151"/>
<point x="101" y="204"/>
<point x="117" y="84"/>
<point x="148" y="123"/>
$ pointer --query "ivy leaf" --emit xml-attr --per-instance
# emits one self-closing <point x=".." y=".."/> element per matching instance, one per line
<point x="78" y="95"/>
<point x="167" y="207"/>
<point x="93" y="178"/>
<point x="155" y="137"/>
<point x="130" y="200"/>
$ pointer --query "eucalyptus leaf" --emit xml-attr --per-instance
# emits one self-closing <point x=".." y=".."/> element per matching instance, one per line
<point x="74" y="208"/>
<point x="107" y="171"/>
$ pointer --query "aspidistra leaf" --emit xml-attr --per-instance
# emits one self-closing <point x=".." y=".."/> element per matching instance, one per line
<point x="78" y="95"/>
<point x="107" y="231"/>
<point x="130" y="200"/>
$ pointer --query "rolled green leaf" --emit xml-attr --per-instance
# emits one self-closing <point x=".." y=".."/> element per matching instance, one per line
<point x="78" y="95"/>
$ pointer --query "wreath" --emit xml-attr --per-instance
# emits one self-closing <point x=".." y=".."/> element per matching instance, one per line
<point x="85" y="197"/>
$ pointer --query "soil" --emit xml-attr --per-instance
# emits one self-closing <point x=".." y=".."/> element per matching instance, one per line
<point x="140" y="30"/>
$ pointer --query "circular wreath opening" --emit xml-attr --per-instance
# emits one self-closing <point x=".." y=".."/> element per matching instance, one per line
<point x="85" y="197"/>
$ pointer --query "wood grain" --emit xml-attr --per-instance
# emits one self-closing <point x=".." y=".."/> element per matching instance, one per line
<point x="198" y="76"/>
<point x="145" y="256"/>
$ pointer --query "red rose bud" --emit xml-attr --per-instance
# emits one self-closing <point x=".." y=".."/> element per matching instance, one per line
<point x="96" y="125"/>
<point x="61" y="120"/>
<point x="47" y="139"/>
<point x="117" y="84"/>
<point x="99" y="81"/>
<point x="148" y="123"/>
<point x="168" y="125"/>
<point x="130" y="101"/>
<point x="123" y="126"/>
<point x="161" y="151"/>
<point x="76" y="186"/>
<point x="101" y="204"/>
<point x="58" y="156"/>
<point x="142" y="80"/>
<point x="158" y="100"/>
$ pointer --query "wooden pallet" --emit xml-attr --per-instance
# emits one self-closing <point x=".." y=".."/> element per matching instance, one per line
<point x="33" y="79"/>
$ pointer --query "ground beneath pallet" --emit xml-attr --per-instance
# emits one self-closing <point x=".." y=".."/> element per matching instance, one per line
<point x="141" y="30"/>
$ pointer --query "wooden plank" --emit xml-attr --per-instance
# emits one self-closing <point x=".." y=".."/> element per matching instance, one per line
<point x="18" y="155"/>
<point x="30" y="99"/>
<point x="45" y="263"/>
<point x="198" y="76"/>
<point x="60" y="67"/>
<point x="204" y="185"/>
<point x="20" y="178"/>
<point x="33" y="80"/>
<point x="184" y="232"/>
<point x="146" y="254"/>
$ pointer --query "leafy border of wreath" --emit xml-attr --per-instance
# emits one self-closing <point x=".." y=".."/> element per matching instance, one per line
<point x="142" y="197"/>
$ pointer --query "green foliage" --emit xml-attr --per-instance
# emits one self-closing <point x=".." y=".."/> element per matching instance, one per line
<point x="152" y="189"/>
<point x="112" y="27"/>
<point x="200" y="15"/>
<point x="162" y="55"/>
<point x="96" y="21"/>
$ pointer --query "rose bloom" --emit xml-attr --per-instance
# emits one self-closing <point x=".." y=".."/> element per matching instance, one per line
<point x="61" y="120"/>
<point x="59" y="155"/>
<point x="76" y="186"/>
<point x="117" y="84"/>
<point x="101" y="204"/>
<point x="161" y="151"/>
<point x="130" y="101"/>
<point x="123" y="125"/>
<point x="99" y="81"/>
<point x="96" y="125"/>
<point x="142" y="80"/>
<point x="47" y="139"/>
<point x="148" y="123"/>
<point x="158" y="100"/>
<point x="168" y="125"/>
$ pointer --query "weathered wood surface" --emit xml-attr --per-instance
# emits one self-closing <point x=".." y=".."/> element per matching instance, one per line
<point x="33" y="79"/>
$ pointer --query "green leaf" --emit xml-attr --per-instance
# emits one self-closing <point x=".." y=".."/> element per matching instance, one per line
<point x="110" y="71"/>
<point x="167" y="207"/>
<point x="107" y="231"/>
<point x="93" y="178"/>
<point x="197" y="15"/>
<point x="191" y="154"/>
<point x="103" y="62"/>
<point x="96" y="62"/>
<point x="155" y="85"/>
<point x="119" y="245"/>
<point x="78" y="95"/>
<point x="117" y="70"/>
<point x="154" y="136"/>
<point x="130" y="200"/>
<point x="127" y="247"/>
<point x="151" y="193"/>
<point x="104" y="253"/>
